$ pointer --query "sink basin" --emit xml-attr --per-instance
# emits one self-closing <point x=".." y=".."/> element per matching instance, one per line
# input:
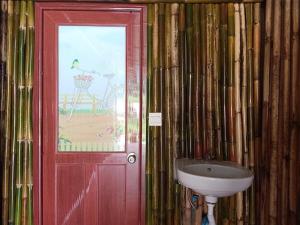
<point x="213" y="178"/>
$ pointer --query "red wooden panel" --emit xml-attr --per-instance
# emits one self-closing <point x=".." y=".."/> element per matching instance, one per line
<point x="91" y="195"/>
<point x="70" y="193"/>
<point x="111" y="194"/>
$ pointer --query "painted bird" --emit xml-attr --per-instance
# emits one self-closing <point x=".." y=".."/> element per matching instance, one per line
<point x="75" y="64"/>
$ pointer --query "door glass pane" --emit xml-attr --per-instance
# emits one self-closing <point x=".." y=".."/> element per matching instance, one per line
<point x="92" y="77"/>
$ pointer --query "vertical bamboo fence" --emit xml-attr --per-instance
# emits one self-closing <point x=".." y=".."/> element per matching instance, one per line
<point x="227" y="87"/>
<point x="226" y="78"/>
<point x="16" y="99"/>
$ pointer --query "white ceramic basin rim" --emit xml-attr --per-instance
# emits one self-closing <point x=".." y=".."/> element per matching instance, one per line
<point x="213" y="178"/>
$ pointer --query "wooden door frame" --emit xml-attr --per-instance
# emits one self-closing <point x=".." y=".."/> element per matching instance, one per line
<point x="40" y="7"/>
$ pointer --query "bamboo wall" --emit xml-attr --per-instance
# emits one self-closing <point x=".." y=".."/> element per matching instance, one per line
<point x="17" y="38"/>
<point x="225" y="77"/>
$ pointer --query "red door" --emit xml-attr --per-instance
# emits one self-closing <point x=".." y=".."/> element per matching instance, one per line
<point x="89" y="114"/>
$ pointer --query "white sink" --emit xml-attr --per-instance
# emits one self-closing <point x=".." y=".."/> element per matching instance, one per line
<point x="213" y="178"/>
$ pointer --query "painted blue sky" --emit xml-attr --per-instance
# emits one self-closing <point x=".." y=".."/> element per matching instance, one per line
<point x="97" y="48"/>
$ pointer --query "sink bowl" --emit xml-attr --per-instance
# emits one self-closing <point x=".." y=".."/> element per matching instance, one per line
<point x="213" y="178"/>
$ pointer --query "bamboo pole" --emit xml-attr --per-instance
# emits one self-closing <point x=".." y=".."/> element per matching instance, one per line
<point x="168" y="98"/>
<point x="20" y="113"/>
<point x="175" y="78"/>
<point x="257" y="98"/>
<point x="285" y="94"/>
<point x="244" y="107"/>
<point x="176" y="100"/>
<point x="6" y="53"/>
<point x="223" y="64"/>
<point x="264" y="219"/>
<point x="182" y="76"/>
<point x="209" y="77"/>
<point x="203" y="43"/>
<point x="15" y="7"/>
<point x="156" y="108"/>
<point x="162" y="73"/>
<point x="149" y="150"/>
<point x="196" y="85"/>
<point x="275" y="72"/>
<point x="230" y="102"/>
<point x="190" y="78"/>
<point x="27" y="210"/>
<point x="238" y="117"/>
<point x="295" y="82"/>
<point x="216" y="83"/>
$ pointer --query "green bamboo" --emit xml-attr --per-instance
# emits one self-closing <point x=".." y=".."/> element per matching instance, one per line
<point x="5" y="107"/>
<point x="149" y="150"/>
<point x="29" y="85"/>
<point x="20" y="113"/>
<point x="13" y="102"/>
<point x="189" y="79"/>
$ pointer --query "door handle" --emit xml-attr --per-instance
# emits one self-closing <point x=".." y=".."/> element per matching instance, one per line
<point x="131" y="158"/>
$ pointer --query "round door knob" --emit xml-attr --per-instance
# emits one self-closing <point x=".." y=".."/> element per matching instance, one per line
<point x="131" y="158"/>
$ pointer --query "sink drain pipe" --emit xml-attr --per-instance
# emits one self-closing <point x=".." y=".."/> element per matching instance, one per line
<point x="211" y="202"/>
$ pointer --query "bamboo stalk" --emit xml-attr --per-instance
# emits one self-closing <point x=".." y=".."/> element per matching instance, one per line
<point x="190" y="78"/>
<point x="175" y="78"/>
<point x="293" y="114"/>
<point x="6" y="17"/>
<point x="244" y="107"/>
<point x="176" y="105"/>
<point x="156" y="108"/>
<point x="209" y="77"/>
<point x="286" y="73"/>
<point x="257" y="104"/>
<point x="30" y="62"/>
<point x="273" y="218"/>
<point x="216" y="83"/>
<point x="13" y="139"/>
<point x="238" y="117"/>
<point x="149" y="149"/>
<point x="223" y="64"/>
<point x="264" y="219"/>
<point x="196" y="85"/>
<point x="203" y="42"/>
<point x="168" y="98"/>
<point x="20" y="113"/>
<point x="182" y="75"/>
<point x="162" y="73"/>
<point x="229" y="83"/>
<point x="230" y="102"/>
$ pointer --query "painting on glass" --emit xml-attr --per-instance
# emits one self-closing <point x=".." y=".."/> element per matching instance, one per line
<point x="92" y="76"/>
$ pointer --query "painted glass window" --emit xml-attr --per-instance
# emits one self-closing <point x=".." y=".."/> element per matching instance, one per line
<point x="91" y="83"/>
